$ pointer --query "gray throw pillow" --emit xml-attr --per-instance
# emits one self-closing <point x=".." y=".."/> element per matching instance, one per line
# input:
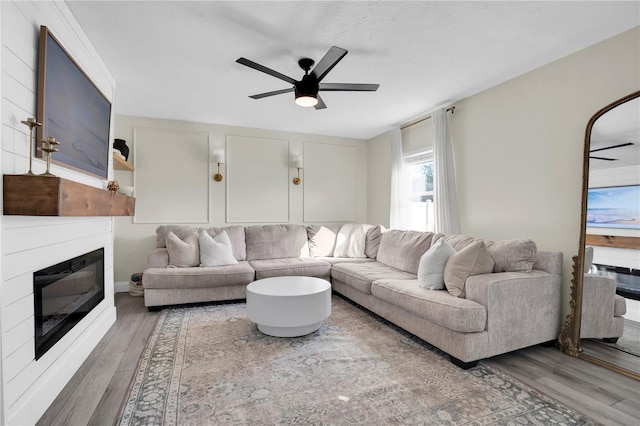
<point x="183" y="254"/>
<point x="215" y="251"/>
<point x="471" y="260"/>
<point x="432" y="264"/>
<point x="512" y="255"/>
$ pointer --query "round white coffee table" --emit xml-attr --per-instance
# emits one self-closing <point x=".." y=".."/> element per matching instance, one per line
<point x="288" y="306"/>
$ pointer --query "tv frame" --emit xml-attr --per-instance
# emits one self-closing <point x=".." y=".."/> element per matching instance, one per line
<point x="617" y="199"/>
<point x="72" y="109"/>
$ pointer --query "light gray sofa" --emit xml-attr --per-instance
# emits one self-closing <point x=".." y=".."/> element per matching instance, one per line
<point x="501" y="312"/>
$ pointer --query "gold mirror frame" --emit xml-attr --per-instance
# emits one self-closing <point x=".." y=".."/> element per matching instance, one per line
<point x="569" y="338"/>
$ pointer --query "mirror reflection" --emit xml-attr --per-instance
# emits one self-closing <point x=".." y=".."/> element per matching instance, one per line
<point x="610" y="326"/>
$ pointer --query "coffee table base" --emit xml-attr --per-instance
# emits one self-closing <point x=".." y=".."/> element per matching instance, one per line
<point x="288" y="331"/>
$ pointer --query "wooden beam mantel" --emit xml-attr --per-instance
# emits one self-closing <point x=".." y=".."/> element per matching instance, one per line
<point x="613" y="241"/>
<point x="54" y="196"/>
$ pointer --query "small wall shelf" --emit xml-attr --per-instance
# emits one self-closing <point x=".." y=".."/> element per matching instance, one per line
<point x="54" y="196"/>
<point x="120" y="164"/>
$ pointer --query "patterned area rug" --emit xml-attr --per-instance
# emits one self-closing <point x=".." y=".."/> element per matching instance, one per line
<point x="210" y="365"/>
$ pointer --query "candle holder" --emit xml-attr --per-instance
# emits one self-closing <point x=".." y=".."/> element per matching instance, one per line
<point x="48" y="147"/>
<point x="31" y="123"/>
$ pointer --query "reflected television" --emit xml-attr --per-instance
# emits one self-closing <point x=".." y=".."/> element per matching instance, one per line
<point x="614" y="207"/>
<point x="71" y="109"/>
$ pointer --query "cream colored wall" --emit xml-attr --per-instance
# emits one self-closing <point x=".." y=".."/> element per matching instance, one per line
<point x="379" y="177"/>
<point x="518" y="147"/>
<point x="133" y="241"/>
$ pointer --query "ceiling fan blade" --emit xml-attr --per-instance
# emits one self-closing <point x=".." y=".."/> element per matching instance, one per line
<point x="348" y="87"/>
<point x="275" y="92"/>
<point x="612" y="146"/>
<point x="604" y="158"/>
<point x="328" y="61"/>
<point x="262" y="68"/>
<point x="320" y="104"/>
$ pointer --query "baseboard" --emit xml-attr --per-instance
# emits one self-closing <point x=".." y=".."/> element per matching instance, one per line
<point x="121" y="287"/>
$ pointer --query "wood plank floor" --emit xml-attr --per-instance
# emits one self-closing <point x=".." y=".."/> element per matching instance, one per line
<point x="95" y="393"/>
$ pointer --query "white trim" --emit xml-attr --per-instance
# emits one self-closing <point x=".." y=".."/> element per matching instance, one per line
<point x="121" y="287"/>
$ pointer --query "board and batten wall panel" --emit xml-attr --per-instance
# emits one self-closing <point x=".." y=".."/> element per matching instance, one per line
<point x="171" y="188"/>
<point x="27" y="386"/>
<point x="257" y="180"/>
<point x="329" y="181"/>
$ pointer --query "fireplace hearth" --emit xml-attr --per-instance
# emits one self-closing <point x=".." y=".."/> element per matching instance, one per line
<point x="64" y="294"/>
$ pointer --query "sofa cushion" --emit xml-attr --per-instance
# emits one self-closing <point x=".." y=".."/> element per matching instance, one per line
<point x="215" y="251"/>
<point x="183" y="253"/>
<point x="236" y="235"/>
<point x="403" y="249"/>
<point x="432" y="264"/>
<point x="374" y="236"/>
<point x="438" y="306"/>
<point x="471" y="260"/>
<point x="512" y="255"/>
<point x="337" y="260"/>
<point x="216" y="276"/>
<point x="322" y="240"/>
<point x="276" y="241"/>
<point x="361" y="275"/>
<point x="306" y="267"/>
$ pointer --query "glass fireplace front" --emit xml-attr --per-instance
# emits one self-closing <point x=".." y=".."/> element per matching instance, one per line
<point x="64" y="294"/>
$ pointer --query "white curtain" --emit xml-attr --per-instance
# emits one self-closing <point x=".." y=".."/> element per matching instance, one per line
<point x="400" y="209"/>
<point x="446" y="202"/>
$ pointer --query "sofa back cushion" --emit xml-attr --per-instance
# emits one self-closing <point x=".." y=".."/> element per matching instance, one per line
<point x="512" y="255"/>
<point x="276" y="241"/>
<point x="403" y="249"/>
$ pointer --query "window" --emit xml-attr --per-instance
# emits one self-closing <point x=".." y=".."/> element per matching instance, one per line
<point x="420" y="171"/>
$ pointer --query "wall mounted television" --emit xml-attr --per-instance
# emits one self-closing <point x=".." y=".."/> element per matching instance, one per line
<point x="614" y="207"/>
<point x="72" y="109"/>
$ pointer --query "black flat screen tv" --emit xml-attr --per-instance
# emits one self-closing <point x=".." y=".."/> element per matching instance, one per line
<point x="71" y="109"/>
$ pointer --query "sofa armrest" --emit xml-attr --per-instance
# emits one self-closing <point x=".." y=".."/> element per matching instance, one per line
<point x="523" y="308"/>
<point x="158" y="258"/>
<point x="598" y="305"/>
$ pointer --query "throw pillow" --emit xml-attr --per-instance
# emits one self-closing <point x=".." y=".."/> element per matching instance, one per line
<point x="322" y="240"/>
<point x="432" y="264"/>
<point x="216" y="251"/>
<point x="185" y="253"/>
<point x="372" y="243"/>
<point x="351" y="240"/>
<point x="471" y="260"/>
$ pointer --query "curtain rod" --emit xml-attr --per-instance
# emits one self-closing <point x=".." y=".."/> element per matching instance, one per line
<point x="452" y="109"/>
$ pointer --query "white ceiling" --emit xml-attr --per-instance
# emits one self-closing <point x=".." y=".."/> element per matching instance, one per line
<point x="176" y="60"/>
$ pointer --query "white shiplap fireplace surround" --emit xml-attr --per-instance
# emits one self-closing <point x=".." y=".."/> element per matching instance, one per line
<point x="27" y="386"/>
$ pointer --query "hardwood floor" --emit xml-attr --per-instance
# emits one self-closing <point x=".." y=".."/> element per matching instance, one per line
<point x="95" y="393"/>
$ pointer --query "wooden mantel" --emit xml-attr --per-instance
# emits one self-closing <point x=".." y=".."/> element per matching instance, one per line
<point x="54" y="196"/>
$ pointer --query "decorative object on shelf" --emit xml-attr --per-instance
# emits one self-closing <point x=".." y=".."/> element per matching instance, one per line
<point x="48" y="147"/>
<point x="31" y="123"/>
<point x="113" y="186"/>
<point x="121" y="145"/>
<point x="218" y="157"/>
<point x="126" y="190"/>
<point x="297" y="163"/>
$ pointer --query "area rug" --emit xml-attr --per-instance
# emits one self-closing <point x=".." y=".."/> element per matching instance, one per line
<point x="629" y="342"/>
<point x="209" y="365"/>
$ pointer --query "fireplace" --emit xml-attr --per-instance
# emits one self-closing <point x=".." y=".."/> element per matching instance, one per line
<point x="64" y="294"/>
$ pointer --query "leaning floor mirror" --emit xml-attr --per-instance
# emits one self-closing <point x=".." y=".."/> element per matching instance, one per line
<point x="604" y="323"/>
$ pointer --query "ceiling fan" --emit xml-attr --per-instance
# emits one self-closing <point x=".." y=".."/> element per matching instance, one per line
<point x="608" y="147"/>
<point x="306" y="90"/>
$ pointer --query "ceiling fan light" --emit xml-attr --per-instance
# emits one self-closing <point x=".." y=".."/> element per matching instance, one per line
<point x="306" y="101"/>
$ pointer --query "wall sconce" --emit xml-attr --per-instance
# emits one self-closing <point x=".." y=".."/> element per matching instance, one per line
<point x="297" y="163"/>
<point x="218" y="157"/>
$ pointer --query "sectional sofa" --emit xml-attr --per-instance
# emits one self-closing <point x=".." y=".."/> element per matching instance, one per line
<point x="514" y="303"/>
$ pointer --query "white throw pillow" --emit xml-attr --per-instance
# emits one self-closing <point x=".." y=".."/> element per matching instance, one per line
<point x="351" y="240"/>
<point x="215" y="251"/>
<point x="432" y="264"/>
<point x="183" y="253"/>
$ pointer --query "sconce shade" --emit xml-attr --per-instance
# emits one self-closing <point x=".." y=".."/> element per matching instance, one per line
<point x="218" y="156"/>
<point x="297" y="161"/>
